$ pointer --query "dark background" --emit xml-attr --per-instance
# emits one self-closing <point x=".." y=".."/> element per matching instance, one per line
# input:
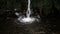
<point x="49" y="10"/>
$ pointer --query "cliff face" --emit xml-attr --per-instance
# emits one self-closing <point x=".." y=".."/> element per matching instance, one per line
<point x="21" y="5"/>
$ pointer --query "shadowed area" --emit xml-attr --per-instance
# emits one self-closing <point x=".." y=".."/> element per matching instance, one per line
<point x="48" y="10"/>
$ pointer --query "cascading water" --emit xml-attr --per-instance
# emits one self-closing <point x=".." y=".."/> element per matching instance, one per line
<point x="28" y="19"/>
<point x="28" y="10"/>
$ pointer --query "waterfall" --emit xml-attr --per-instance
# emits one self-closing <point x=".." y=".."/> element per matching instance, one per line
<point x="28" y="9"/>
<point x="28" y="19"/>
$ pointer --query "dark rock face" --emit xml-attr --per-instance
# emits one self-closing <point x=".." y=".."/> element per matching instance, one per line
<point x="48" y="10"/>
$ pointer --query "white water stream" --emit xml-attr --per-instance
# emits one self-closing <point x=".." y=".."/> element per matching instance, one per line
<point x="28" y="19"/>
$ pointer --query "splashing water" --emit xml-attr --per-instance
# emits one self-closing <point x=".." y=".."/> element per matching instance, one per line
<point x="28" y="19"/>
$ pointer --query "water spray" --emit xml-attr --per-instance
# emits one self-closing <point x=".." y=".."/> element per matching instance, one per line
<point x="28" y="19"/>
